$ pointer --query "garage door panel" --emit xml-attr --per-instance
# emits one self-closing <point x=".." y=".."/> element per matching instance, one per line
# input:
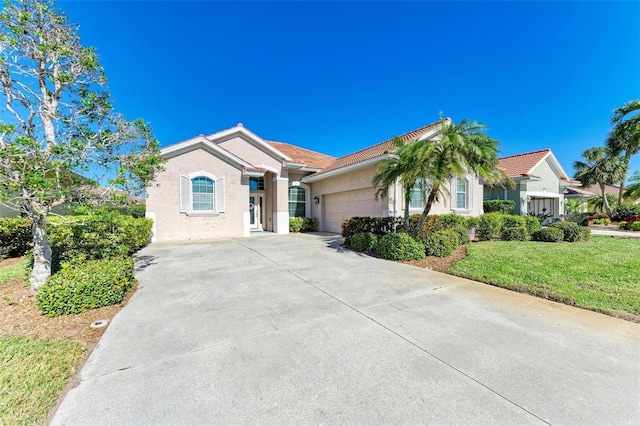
<point x="343" y="205"/>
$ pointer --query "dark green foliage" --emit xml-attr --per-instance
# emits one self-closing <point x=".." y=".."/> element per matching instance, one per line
<point x="100" y="236"/>
<point x="635" y="226"/>
<point x="86" y="285"/>
<point x="513" y="228"/>
<point x="624" y="211"/>
<point x="473" y="221"/>
<point x="462" y="234"/>
<point x="551" y="235"/>
<point x="441" y="243"/>
<point x="585" y="233"/>
<point x="450" y="221"/>
<point x="532" y="223"/>
<point x="303" y="224"/>
<point x="364" y="241"/>
<point x="399" y="246"/>
<point x="499" y="206"/>
<point x="541" y="216"/>
<point x="489" y="226"/>
<point x="376" y="225"/>
<point x="628" y="222"/>
<point x="572" y="232"/>
<point x="15" y="236"/>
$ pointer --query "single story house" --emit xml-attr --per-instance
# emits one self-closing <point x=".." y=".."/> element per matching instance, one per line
<point x="232" y="182"/>
<point x="540" y="183"/>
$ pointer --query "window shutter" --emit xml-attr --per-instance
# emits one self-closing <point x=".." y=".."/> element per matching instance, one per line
<point x="219" y="194"/>
<point x="185" y="194"/>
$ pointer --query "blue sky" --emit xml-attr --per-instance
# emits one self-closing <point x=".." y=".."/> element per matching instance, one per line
<point x="336" y="77"/>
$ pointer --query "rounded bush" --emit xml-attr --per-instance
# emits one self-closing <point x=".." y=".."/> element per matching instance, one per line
<point x="489" y="226"/>
<point x="462" y="234"/>
<point x="440" y="244"/>
<point x="364" y="241"/>
<point x="513" y="233"/>
<point x="15" y="236"/>
<point x="399" y="246"/>
<point x="635" y="226"/>
<point x="88" y="285"/>
<point x="551" y="235"/>
<point x="532" y="223"/>
<point x="572" y="232"/>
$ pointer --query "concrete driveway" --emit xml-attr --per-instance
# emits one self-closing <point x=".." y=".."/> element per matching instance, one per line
<point x="296" y="330"/>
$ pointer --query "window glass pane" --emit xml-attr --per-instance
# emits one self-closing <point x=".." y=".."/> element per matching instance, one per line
<point x="297" y="198"/>
<point x="416" y="195"/>
<point x="256" y="183"/>
<point x="202" y="193"/>
<point x="461" y="194"/>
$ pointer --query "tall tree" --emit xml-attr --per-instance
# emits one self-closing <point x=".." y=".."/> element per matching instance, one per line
<point x="633" y="190"/>
<point x="399" y="168"/>
<point x="624" y="138"/>
<point x="59" y="133"/>
<point x="600" y="168"/>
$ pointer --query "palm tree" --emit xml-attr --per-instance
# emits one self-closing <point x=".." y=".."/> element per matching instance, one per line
<point x="633" y="190"/>
<point x="399" y="167"/>
<point x="624" y="138"/>
<point x="601" y="167"/>
<point x="454" y="151"/>
<point x="596" y="203"/>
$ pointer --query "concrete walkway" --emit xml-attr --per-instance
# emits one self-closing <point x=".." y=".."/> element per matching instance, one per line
<point x="296" y="330"/>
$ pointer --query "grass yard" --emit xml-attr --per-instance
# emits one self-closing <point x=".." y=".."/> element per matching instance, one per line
<point x="32" y="375"/>
<point x="10" y="272"/>
<point x="602" y="274"/>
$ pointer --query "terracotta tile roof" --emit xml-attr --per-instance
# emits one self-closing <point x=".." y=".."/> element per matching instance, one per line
<point x="608" y="189"/>
<point x="520" y="165"/>
<point x="312" y="159"/>
<point x="580" y="191"/>
<point x="378" y="149"/>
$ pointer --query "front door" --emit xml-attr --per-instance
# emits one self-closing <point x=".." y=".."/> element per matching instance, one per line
<point x="255" y="212"/>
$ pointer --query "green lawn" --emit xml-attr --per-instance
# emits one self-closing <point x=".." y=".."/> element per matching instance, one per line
<point x="14" y="271"/>
<point x="32" y="375"/>
<point x="602" y="274"/>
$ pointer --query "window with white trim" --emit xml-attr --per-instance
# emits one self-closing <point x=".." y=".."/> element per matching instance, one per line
<point x="419" y="188"/>
<point x="201" y="192"/>
<point x="297" y="201"/>
<point x="462" y="194"/>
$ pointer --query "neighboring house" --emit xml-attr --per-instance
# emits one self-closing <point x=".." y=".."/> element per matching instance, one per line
<point x="233" y="182"/>
<point x="585" y="194"/>
<point x="540" y="183"/>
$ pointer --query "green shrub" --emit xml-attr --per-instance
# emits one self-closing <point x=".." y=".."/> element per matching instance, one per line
<point x="604" y="221"/>
<point x="635" y="226"/>
<point x="499" y="206"/>
<point x="472" y="221"/>
<point x="622" y="225"/>
<point x="376" y="225"/>
<point x="295" y="224"/>
<point x="399" y="246"/>
<point x="100" y="236"/>
<point x="628" y="222"/>
<point x="15" y="236"/>
<point x="585" y="233"/>
<point x="552" y="235"/>
<point x="572" y="232"/>
<point x="624" y="211"/>
<point x="364" y="241"/>
<point x="532" y="223"/>
<point x="452" y="220"/>
<point x="462" y="234"/>
<point x="489" y="226"/>
<point x="513" y="228"/>
<point x="80" y="287"/>
<point x="440" y="244"/>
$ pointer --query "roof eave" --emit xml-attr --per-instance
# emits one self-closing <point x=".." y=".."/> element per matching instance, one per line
<point x="344" y="169"/>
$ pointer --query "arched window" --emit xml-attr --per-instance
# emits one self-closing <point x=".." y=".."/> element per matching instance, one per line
<point x="201" y="192"/>
<point x="297" y="201"/>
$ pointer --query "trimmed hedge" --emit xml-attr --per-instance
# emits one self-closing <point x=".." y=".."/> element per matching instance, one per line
<point x="513" y="228"/>
<point x="375" y="225"/>
<point x="532" y="223"/>
<point x="499" y="206"/>
<point x="572" y="232"/>
<point x="489" y="226"/>
<point x="303" y="224"/>
<point x="551" y="235"/>
<point x="88" y="285"/>
<point x="15" y="236"/>
<point x="103" y="236"/>
<point x="399" y="246"/>
<point x="364" y="241"/>
<point x="441" y="243"/>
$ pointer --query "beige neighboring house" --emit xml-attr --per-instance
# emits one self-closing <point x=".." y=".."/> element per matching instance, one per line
<point x="540" y="183"/>
<point x="233" y="182"/>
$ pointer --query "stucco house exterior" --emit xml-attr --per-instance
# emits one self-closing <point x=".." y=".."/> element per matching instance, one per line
<point x="540" y="183"/>
<point x="233" y="182"/>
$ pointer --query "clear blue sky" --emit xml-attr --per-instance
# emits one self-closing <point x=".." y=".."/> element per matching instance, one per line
<point x="336" y="77"/>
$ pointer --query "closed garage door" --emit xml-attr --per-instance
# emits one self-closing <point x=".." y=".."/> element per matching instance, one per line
<point x="343" y="205"/>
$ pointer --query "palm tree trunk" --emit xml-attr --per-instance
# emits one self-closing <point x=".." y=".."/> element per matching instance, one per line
<point x="605" y="202"/>
<point x="407" y="201"/>
<point x="625" y="168"/>
<point x="427" y="208"/>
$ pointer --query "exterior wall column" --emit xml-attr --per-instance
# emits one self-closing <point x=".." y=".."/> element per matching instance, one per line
<point x="281" y="210"/>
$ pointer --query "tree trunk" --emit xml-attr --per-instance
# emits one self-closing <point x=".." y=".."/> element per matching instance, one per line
<point x="41" y="252"/>
<point x="605" y="201"/>
<point x="627" y="160"/>
<point x="427" y="208"/>
<point x="407" y="201"/>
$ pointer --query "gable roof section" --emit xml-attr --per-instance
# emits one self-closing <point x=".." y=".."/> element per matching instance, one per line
<point x="521" y="166"/>
<point x="312" y="159"/>
<point x="373" y="153"/>
<point x="240" y="130"/>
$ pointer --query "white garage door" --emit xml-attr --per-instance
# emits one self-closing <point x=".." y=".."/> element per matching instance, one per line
<point x="343" y="205"/>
